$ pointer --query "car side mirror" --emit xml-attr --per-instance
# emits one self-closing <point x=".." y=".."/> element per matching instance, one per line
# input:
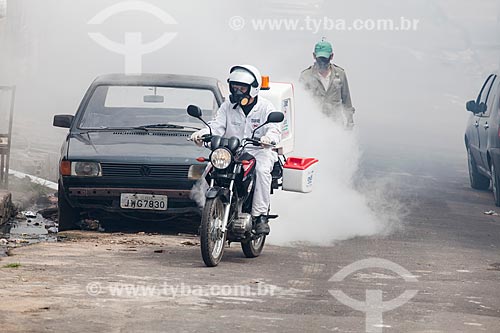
<point x="275" y="117"/>
<point x="471" y="106"/>
<point x="194" y="111"/>
<point x="63" y="120"/>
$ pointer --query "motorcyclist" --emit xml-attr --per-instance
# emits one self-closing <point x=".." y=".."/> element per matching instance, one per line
<point x="239" y="117"/>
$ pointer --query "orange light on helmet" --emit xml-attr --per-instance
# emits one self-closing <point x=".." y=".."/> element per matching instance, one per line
<point x="65" y="168"/>
<point x="265" y="83"/>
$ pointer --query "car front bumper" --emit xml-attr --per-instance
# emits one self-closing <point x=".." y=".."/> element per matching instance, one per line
<point x="107" y="199"/>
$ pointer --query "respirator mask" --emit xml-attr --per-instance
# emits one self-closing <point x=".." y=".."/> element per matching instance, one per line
<point x="237" y="95"/>
<point x="322" y="62"/>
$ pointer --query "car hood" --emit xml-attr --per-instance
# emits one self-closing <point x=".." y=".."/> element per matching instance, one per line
<point x="132" y="146"/>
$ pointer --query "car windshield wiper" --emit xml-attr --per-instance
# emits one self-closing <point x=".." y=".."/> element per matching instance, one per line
<point x="153" y="126"/>
<point x="160" y="126"/>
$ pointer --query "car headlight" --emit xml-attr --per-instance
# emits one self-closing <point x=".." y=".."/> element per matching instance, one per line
<point x="221" y="158"/>
<point x="85" y="169"/>
<point x="196" y="171"/>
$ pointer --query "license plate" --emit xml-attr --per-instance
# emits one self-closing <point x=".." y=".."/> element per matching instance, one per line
<point x="143" y="201"/>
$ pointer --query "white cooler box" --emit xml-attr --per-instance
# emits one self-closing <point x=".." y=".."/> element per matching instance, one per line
<point x="298" y="174"/>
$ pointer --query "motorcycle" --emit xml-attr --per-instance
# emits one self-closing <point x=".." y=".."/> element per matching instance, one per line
<point x="231" y="176"/>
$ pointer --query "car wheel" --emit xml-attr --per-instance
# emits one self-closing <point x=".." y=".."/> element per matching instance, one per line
<point x="495" y="184"/>
<point x="477" y="180"/>
<point x="68" y="216"/>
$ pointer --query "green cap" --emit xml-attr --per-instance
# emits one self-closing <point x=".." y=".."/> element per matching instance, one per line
<point x="323" y="49"/>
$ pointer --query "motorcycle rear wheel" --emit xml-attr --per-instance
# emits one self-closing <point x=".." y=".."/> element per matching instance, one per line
<point x="253" y="248"/>
<point x="212" y="237"/>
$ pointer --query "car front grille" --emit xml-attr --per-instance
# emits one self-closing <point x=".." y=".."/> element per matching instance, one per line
<point x="144" y="170"/>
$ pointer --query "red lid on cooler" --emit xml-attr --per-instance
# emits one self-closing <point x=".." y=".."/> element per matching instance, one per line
<point x="299" y="163"/>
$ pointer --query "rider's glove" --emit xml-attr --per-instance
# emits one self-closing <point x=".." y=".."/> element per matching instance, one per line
<point x="196" y="137"/>
<point x="265" y="140"/>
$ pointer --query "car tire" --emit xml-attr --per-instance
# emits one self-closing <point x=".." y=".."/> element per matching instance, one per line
<point x="477" y="180"/>
<point x="68" y="216"/>
<point x="495" y="184"/>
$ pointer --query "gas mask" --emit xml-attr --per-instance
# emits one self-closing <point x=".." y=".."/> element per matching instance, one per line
<point x="322" y="62"/>
<point x="239" y="97"/>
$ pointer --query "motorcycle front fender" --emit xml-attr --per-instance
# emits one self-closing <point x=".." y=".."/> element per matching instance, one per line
<point x="215" y="192"/>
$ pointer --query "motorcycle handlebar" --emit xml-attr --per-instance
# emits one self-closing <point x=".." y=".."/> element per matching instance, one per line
<point x="204" y="138"/>
<point x="256" y="142"/>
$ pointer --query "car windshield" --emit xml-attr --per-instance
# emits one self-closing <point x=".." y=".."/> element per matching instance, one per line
<point x="135" y="106"/>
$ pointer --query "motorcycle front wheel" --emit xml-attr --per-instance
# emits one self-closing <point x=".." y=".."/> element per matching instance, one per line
<point x="212" y="237"/>
<point x="253" y="248"/>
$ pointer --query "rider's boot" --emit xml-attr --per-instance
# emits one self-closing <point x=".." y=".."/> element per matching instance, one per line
<point x="262" y="225"/>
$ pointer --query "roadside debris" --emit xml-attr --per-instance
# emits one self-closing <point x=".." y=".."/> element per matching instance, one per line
<point x="27" y="227"/>
<point x="21" y="241"/>
<point x="90" y="224"/>
<point x="50" y="224"/>
<point x="494" y="267"/>
<point x="190" y="243"/>
<point x="49" y="213"/>
<point x="491" y="212"/>
<point x="32" y="218"/>
<point x="29" y="214"/>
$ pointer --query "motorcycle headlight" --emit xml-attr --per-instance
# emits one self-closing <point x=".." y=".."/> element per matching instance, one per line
<point x="85" y="169"/>
<point x="221" y="158"/>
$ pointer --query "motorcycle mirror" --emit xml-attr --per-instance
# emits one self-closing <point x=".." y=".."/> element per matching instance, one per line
<point x="194" y="111"/>
<point x="275" y="117"/>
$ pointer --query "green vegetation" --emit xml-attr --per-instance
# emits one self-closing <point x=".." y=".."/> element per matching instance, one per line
<point x="12" y="265"/>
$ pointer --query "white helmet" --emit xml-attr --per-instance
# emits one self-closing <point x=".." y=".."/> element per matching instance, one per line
<point x="246" y="74"/>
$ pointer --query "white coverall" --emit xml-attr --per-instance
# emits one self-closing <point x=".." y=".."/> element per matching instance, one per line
<point x="231" y="122"/>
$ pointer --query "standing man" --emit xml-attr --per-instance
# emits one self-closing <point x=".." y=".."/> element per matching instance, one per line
<point x="327" y="82"/>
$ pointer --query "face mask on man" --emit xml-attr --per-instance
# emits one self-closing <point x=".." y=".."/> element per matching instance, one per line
<point x="322" y="62"/>
<point x="237" y="96"/>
